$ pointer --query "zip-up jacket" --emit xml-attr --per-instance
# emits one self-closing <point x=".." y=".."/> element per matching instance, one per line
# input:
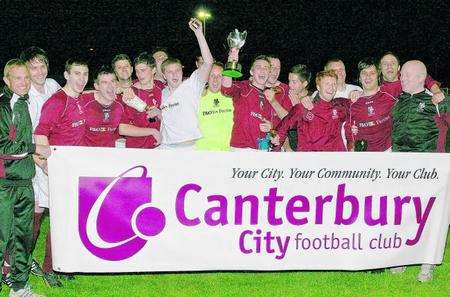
<point x="16" y="147"/>
<point x="419" y="125"/>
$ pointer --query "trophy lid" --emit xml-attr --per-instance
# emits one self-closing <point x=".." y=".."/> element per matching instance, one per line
<point x="232" y="73"/>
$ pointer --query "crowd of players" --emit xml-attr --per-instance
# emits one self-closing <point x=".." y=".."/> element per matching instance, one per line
<point x="392" y="110"/>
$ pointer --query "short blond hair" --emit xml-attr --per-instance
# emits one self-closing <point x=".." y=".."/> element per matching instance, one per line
<point x="11" y="64"/>
<point x="170" y="61"/>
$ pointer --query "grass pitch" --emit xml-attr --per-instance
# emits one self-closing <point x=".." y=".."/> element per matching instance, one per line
<point x="233" y="284"/>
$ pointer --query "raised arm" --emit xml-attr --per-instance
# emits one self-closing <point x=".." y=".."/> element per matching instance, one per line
<point x="204" y="70"/>
<point x="233" y="55"/>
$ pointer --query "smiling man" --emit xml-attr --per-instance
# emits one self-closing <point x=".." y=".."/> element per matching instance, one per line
<point x="390" y="69"/>
<point x="343" y="89"/>
<point x="103" y="111"/>
<point x="180" y="99"/>
<point x="142" y="129"/>
<point x="419" y="126"/>
<point x="16" y="171"/>
<point x="254" y="116"/>
<point x="371" y="113"/>
<point x="215" y="114"/>
<point x="121" y="64"/>
<point x="319" y="123"/>
<point x="41" y="89"/>
<point x="275" y="69"/>
<point x="62" y="122"/>
<point x="160" y="54"/>
<point x="62" y="117"/>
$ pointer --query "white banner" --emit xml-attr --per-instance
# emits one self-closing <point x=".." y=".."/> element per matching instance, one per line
<point x="130" y="210"/>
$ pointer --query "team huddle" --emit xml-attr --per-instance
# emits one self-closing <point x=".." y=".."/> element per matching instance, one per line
<point x="395" y="109"/>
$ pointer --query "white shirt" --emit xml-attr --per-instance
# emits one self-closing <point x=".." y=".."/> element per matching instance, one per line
<point x="37" y="99"/>
<point x="348" y="88"/>
<point x="180" y="111"/>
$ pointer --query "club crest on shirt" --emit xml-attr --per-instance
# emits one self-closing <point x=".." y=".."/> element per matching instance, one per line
<point x="106" y="116"/>
<point x="421" y="107"/>
<point x="216" y="102"/>
<point x="309" y="116"/>
<point x="370" y="110"/>
<point x="334" y="114"/>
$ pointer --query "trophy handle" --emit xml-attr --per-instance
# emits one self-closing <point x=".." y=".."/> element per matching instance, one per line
<point x="244" y="34"/>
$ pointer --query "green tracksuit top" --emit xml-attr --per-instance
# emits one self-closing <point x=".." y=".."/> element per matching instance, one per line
<point x="16" y="147"/>
<point x="414" y="123"/>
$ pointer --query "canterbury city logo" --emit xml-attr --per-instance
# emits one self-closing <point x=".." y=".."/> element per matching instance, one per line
<point x="116" y="218"/>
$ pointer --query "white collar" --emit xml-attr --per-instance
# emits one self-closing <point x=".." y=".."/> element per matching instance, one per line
<point x="14" y="99"/>
<point x="33" y="91"/>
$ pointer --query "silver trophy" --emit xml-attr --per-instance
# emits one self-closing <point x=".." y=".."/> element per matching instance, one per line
<point x="235" y="39"/>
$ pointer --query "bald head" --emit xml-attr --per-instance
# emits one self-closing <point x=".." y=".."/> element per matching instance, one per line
<point x="417" y="66"/>
<point x="413" y="74"/>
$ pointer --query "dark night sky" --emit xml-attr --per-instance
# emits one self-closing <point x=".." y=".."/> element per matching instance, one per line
<point x="307" y="32"/>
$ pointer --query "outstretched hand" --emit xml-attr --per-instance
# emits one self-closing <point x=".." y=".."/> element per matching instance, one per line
<point x="265" y="126"/>
<point x="128" y="94"/>
<point x="196" y="25"/>
<point x="43" y="151"/>
<point x="355" y="95"/>
<point x="270" y="94"/>
<point x="307" y="102"/>
<point x="154" y="112"/>
<point x="437" y="98"/>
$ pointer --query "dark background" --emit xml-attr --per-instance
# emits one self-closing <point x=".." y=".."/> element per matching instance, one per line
<point x="307" y="32"/>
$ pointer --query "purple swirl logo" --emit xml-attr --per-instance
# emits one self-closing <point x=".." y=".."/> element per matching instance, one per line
<point x="115" y="217"/>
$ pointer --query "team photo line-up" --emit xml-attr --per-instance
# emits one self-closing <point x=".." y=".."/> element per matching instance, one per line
<point x="398" y="109"/>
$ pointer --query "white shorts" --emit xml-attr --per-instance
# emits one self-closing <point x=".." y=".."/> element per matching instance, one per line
<point x="40" y="187"/>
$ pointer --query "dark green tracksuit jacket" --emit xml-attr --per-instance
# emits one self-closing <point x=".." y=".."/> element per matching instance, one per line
<point x="16" y="191"/>
<point x="419" y="125"/>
